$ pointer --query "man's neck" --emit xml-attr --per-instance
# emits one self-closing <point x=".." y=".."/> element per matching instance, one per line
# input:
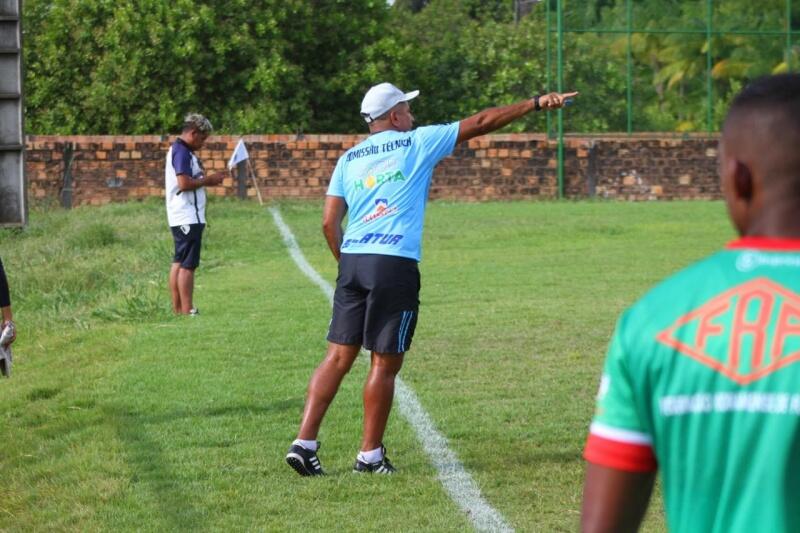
<point x="380" y="128"/>
<point x="182" y="139"/>
<point x="778" y="219"/>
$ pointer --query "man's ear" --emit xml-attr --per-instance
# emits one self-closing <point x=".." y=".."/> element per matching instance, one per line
<point x="742" y="181"/>
<point x="393" y="117"/>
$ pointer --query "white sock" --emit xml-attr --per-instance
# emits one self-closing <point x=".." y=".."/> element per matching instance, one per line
<point x="372" y="456"/>
<point x="310" y="445"/>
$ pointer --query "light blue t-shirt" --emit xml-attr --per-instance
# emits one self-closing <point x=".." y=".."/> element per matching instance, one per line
<point x="384" y="181"/>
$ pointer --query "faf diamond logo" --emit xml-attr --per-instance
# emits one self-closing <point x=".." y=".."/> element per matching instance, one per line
<point x="745" y="333"/>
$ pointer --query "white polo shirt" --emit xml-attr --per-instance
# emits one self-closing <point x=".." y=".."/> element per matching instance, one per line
<point x="184" y="207"/>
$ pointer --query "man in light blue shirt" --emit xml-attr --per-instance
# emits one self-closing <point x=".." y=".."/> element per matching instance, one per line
<point x="385" y="181"/>
<point x="383" y="184"/>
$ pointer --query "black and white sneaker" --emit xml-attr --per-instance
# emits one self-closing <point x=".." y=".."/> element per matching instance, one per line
<point x="381" y="467"/>
<point x="305" y="462"/>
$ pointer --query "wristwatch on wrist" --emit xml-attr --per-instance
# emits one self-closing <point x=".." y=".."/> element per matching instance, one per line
<point x="536" y="105"/>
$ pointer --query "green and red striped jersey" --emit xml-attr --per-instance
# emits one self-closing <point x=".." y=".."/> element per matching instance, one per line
<point x="702" y="380"/>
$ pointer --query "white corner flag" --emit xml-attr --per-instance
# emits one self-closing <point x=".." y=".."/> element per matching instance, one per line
<point x="239" y="154"/>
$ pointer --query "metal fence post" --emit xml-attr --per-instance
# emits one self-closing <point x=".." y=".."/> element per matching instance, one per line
<point x="709" y="88"/>
<point x="560" y="60"/>
<point x="549" y="67"/>
<point x="66" y="188"/>
<point x="629" y="61"/>
<point x="789" y="35"/>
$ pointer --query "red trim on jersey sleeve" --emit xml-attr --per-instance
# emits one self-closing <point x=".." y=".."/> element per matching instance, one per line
<point x="765" y="243"/>
<point x="620" y="455"/>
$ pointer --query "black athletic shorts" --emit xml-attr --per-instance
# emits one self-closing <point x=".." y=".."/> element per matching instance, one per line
<point x="188" y="239"/>
<point x="376" y="302"/>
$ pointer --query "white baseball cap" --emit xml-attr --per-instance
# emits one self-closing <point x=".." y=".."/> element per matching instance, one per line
<point x="381" y="98"/>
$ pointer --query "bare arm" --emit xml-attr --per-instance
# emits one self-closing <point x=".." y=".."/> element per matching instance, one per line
<point x="186" y="183"/>
<point x="332" y="217"/>
<point x="614" y="500"/>
<point x="495" y="118"/>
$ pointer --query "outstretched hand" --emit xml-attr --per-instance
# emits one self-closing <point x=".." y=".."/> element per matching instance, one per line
<point x="555" y="100"/>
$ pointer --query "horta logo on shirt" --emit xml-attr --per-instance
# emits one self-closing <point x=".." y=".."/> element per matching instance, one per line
<point x="382" y="209"/>
<point x="376" y="180"/>
<point x="745" y="333"/>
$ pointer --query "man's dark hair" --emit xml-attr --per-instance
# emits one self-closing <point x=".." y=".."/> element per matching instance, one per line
<point x="767" y="111"/>
<point x="779" y="92"/>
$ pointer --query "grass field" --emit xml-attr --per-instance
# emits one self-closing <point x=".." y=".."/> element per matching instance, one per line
<point x="120" y="416"/>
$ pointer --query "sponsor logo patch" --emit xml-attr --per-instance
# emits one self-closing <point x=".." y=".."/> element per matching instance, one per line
<point x="376" y="180"/>
<point x="382" y="209"/>
<point x="745" y="333"/>
<point x="374" y="238"/>
<point x="748" y="261"/>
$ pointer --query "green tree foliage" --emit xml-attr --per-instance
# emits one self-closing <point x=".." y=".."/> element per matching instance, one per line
<point x="98" y="66"/>
<point x="670" y="72"/>
<point x="463" y="64"/>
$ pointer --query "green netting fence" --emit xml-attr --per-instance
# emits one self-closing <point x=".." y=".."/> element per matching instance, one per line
<point x="681" y="61"/>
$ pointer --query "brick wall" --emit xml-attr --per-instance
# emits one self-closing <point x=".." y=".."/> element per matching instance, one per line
<point x="117" y="168"/>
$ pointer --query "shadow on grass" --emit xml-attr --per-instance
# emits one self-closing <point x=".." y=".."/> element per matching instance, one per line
<point x="43" y="393"/>
<point x="148" y="454"/>
<point x="147" y="458"/>
<point x="221" y="411"/>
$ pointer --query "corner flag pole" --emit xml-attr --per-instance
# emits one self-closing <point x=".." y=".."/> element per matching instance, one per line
<point x="255" y="182"/>
<point x="241" y="157"/>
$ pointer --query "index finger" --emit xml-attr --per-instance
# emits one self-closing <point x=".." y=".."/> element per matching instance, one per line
<point x="570" y="95"/>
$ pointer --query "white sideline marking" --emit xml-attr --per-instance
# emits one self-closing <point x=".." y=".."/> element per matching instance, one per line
<point x="459" y="484"/>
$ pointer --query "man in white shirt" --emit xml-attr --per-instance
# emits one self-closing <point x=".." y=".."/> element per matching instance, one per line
<point x="186" y="207"/>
